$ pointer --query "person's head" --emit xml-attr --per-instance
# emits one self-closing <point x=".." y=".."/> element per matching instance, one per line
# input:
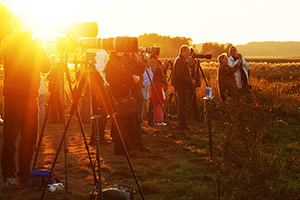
<point x="192" y="51"/>
<point x="184" y="51"/>
<point x="223" y="59"/>
<point x="233" y="52"/>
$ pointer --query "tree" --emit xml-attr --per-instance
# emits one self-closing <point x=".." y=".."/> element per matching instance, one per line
<point x="169" y="46"/>
<point x="215" y="48"/>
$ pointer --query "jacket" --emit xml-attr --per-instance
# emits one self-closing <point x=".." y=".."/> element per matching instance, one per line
<point x="182" y="76"/>
<point x="160" y="87"/>
<point x="23" y="60"/>
<point x="226" y="79"/>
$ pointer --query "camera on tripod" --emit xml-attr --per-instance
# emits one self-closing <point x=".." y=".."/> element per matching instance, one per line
<point x="150" y="50"/>
<point x="117" y="44"/>
<point x="206" y="56"/>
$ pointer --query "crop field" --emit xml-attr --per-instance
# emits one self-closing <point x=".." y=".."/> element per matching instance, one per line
<point x="256" y="147"/>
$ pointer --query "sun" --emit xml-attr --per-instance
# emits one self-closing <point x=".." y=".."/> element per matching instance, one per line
<point x="43" y="16"/>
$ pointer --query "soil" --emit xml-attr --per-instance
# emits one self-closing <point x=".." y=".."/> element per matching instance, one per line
<point x="166" y="149"/>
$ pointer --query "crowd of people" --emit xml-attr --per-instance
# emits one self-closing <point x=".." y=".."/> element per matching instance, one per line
<point x="135" y="81"/>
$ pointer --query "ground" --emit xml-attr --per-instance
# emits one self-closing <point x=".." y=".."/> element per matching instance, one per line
<point x="177" y="168"/>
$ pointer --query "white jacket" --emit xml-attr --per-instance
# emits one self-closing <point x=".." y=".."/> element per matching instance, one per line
<point x="237" y="74"/>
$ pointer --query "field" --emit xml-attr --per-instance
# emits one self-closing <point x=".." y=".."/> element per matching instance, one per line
<point x="256" y="143"/>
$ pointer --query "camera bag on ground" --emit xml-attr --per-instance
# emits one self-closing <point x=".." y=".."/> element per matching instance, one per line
<point x="39" y="177"/>
<point x="116" y="192"/>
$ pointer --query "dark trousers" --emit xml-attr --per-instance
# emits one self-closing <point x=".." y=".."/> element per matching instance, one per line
<point x="150" y="114"/>
<point x="138" y="127"/>
<point x="20" y="116"/>
<point x="127" y="125"/>
<point x="56" y="107"/>
<point x="183" y="97"/>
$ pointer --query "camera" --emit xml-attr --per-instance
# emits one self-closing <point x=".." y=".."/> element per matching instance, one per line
<point x="117" y="44"/>
<point x="90" y="57"/>
<point x="206" y="56"/>
<point x="150" y="50"/>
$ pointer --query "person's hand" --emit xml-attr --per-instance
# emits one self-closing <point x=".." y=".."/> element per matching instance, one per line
<point x="240" y="61"/>
<point x="239" y="55"/>
<point x="194" y="82"/>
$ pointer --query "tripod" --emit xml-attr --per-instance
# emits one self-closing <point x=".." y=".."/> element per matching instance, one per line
<point x="64" y="69"/>
<point x="96" y="83"/>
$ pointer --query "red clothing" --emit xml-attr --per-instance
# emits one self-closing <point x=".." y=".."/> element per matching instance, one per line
<point x="160" y="87"/>
<point x="158" y="112"/>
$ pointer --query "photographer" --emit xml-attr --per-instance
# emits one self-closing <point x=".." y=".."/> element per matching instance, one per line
<point x="123" y="74"/>
<point x="242" y="74"/>
<point x="154" y="63"/>
<point x="55" y="87"/>
<point x="24" y="60"/>
<point x="226" y="78"/>
<point x="192" y="63"/>
<point x="183" y="82"/>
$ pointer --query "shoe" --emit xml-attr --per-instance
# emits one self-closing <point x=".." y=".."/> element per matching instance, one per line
<point x="101" y="142"/>
<point x="150" y="123"/>
<point x="105" y="142"/>
<point x="11" y="183"/>
<point x="163" y="124"/>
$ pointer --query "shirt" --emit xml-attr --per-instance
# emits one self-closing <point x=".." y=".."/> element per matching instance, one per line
<point x="245" y="66"/>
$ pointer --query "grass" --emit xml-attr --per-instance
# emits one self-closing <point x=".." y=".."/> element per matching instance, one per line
<point x="264" y="162"/>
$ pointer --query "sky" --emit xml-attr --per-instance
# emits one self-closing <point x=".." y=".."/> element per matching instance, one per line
<point x="223" y="21"/>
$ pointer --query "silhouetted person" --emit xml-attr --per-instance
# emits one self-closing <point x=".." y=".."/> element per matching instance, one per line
<point x="56" y="89"/>
<point x="242" y="74"/>
<point x="155" y="63"/>
<point x="226" y="78"/>
<point x="24" y="60"/>
<point x="183" y="83"/>
<point x="193" y="101"/>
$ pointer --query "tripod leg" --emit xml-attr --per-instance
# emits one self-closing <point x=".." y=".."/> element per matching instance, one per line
<point x="95" y="120"/>
<point x="42" y="131"/>
<point x="109" y="108"/>
<point x="85" y="141"/>
<point x="71" y="113"/>
<point x="80" y="124"/>
<point x="99" y="182"/>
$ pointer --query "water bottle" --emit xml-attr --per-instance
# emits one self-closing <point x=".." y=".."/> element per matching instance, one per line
<point x="209" y="92"/>
<point x="55" y="187"/>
